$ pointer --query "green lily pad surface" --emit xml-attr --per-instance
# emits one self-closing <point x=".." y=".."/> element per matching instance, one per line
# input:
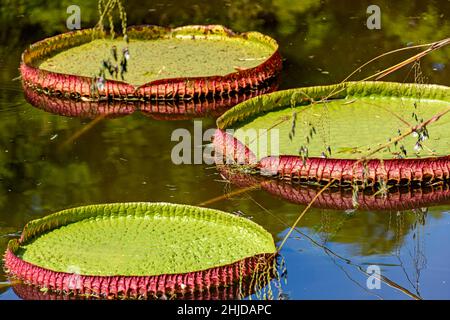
<point x="163" y="58"/>
<point x="351" y="125"/>
<point x="141" y="239"/>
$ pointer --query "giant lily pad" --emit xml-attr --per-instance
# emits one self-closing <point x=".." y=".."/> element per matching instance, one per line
<point x="352" y="136"/>
<point x="163" y="63"/>
<point x="138" y="249"/>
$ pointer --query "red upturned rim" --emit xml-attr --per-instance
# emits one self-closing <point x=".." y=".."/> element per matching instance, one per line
<point x="342" y="171"/>
<point x="163" y="89"/>
<point x="139" y="286"/>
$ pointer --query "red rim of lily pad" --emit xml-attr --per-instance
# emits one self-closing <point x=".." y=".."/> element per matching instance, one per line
<point x="343" y="171"/>
<point x="200" y="283"/>
<point x="294" y="168"/>
<point x="163" y="89"/>
<point x="245" y="272"/>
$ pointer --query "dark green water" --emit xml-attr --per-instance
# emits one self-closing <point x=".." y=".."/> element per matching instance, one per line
<point x="43" y="169"/>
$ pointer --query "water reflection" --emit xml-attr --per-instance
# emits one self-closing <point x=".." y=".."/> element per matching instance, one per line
<point x="375" y="224"/>
<point x="159" y="110"/>
<point x="396" y="232"/>
<point x="339" y="198"/>
<point x="128" y="158"/>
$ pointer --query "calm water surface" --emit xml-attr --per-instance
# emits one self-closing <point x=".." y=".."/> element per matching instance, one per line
<point x="46" y="165"/>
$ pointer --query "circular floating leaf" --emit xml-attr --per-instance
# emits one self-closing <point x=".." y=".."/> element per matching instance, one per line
<point x="366" y="131"/>
<point x="161" y="63"/>
<point x="139" y="248"/>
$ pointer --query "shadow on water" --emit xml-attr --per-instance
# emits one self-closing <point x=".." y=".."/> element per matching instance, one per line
<point x="129" y="158"/>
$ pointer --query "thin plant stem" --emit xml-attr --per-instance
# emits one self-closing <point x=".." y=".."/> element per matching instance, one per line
<point x="431" y="47"/>
<point x="404" y="135"/>
<point x="228" y="195"/>
<point x="83" y="130"/>
<point x="303" y="213"/>
<point x="330" y="253"/>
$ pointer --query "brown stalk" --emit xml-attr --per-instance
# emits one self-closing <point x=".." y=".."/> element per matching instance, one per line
<point x="229" y="195"/>
<point x="82" y="131"/>
<point x="431" y="47"/>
